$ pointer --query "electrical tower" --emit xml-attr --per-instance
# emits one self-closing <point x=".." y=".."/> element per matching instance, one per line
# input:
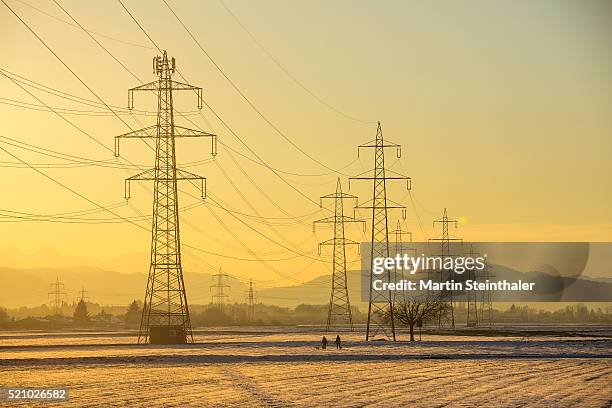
<point x="165" y="313"/>
<point x="471" y="295"/>
<point x="399" y="250"/>
<point x="219" y="297"/>
<point x="339" y="313"/>
<point x="486" y="305"/>
<point x="82" y="294"/>
<point x="380" y="307"/>
<point x="445" y="239"/>
<point x="56" y="294"/>
<point x="251" y="303"/>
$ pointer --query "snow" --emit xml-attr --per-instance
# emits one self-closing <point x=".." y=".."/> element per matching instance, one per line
<point x="284" y="367"/>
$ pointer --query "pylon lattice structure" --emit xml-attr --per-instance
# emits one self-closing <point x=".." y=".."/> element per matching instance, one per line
<point x="471" y="295"/>
<point x="380" y="306"/>
<point x="83" y="298"/>
<point x="486" y="305"/>
<point x="251" y="302"/>
<point x="219" y="298"/>
<point x="56" y="294"/>
<point x="165" y="314"/>
<point x="445" y="240"/>
<point x="339" y="313"/>
<point x="400" y="248"/>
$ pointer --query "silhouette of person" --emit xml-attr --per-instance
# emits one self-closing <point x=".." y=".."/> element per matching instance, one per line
<point x="338" y="344"/>
<point x="324" y="343"/>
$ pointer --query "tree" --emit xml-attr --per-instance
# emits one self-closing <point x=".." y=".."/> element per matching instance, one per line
<point x="80" y="316"/>
<point x="133" y="313"/>
<point x="418" y="309"/>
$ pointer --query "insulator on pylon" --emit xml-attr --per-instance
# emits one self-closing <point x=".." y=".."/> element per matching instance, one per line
<point x="126" y="192"/>
<point x="213" y="142"/>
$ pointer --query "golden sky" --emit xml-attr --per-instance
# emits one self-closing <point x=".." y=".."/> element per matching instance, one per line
<point x="502" y="109"/>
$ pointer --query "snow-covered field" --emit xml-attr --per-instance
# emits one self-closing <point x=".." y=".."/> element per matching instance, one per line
<point x="285" y="367"/>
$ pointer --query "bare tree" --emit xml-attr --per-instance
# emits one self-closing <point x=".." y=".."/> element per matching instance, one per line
<point x="418" y="308"/>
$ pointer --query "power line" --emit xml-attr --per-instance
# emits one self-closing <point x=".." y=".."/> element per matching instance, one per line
<point x="289" y="74"/>
<point x="63" y="63"/>
<point x="68" y="111"/>
<point x="103" y="102"/>
<point x="251" y="104"/>
<point x="307" y="197"/>
<point x="91" y="31"/>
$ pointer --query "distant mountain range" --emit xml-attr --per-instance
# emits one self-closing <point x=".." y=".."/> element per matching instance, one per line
<point x="30" y="287"/>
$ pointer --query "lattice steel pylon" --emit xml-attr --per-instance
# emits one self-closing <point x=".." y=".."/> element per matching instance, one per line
<point x="339" y="313"/>
<point x="399" y="250"/>
<point x="471" y="295"/>
<point x="486" y="305"/>
<point x="445" y="239"/>
<point x="219" y="297"/>
<point x="380" y="306"/>
<point x="57" y="292"/>
<point x="165" y="313"/>
<point x="251" y="303"/>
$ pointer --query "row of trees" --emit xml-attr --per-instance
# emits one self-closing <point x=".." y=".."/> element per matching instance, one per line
<point x="410" y="313"/>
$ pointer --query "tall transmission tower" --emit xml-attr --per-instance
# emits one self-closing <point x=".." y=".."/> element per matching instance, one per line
<point x="445" y="239"/>
<point x="380" y="306"/>
<point x="400" y="249"/>
<point x="56" y="294"/>
<point x="251" y="303"/>
<point x="219" y="297"/>
<point x="165" y="313"/>
<point x="339" y="312"/>
<point x="471" y="295"/>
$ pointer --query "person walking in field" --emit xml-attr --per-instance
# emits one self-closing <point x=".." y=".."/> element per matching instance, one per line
<point x="324" y="343"/>
<point x="338" y="344"/>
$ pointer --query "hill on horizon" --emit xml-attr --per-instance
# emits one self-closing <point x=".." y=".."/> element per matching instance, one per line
<point x="31" y="287"/>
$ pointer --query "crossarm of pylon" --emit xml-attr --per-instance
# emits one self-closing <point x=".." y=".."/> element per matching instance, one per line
<point x="151" y="86"/>
<point x="397" y="176"/>
<point x="150" y="175"/>
<point x="334" y="219"/>
<point x="179" y="86"/>
<point x="408" y="180"/>
<point x="373" y="145"/>
<point x="147" y="132"/>
<point x="180" y="131"/>
<point x="337" y="241"/>
<point x="380" y="207"/>
<point x="145" y="175"/>
<point x="336" y="196"/>
<point x="156" y="86"/>
<point x="185" y="175"/>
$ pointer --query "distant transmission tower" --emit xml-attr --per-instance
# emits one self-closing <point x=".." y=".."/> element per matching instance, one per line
<point x="82" y="294"/>
<point x="445" y="240"/>
<point x="219" y="297"/>
<point x="380" y="307"/>
<point x="165" y="314"/>
<point x="486" y="305"/>
<point x="57" y="291"/>
<point x="339" y="312"/>
<point x="400" y="249"/>
<point x="471" y="295"/>
<point x="251" y="303"/>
